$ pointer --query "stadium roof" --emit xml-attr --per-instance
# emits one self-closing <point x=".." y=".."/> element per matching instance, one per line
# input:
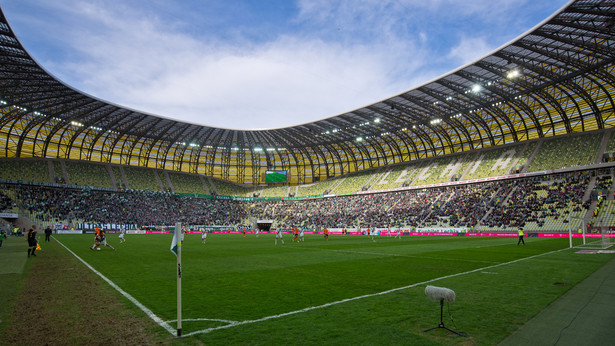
<point x="558" y="78"/>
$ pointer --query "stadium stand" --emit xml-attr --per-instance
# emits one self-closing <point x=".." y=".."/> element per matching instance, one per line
<point x="58" y="172"/>
<point x="142" y="179"/>
<point x="551" y="125"/>
<point x="354" y="182"/>
<point x="527" y="156"/>
<point x="88" y="174"/>
<point x="495" y="162"/>
<point x="275" y="191"/>
<point x="24" y="170"/>
<point x="224" y="188"/>
<point x="445" y="132"/>
<point x="568" y="151"/>
<point x="186" y="183"/>
<point x="440" y="170"/>
<point x="552" y="202"/>
<point x="464" y="207"/>
<point x="118" y="177"/>
<point x="395" y="177"/>
<point x="611" y="144"/>
<point x="6" y="203"/>
<point x="541" y="204"/>
<point x="606" y="215"/>
<point x="315" y="189"/>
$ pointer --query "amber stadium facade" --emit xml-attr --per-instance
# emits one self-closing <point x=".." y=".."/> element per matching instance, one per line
<point x="556" y="79"/>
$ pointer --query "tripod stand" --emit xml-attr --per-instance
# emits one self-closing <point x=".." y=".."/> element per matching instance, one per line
<point x="441" y="325"/>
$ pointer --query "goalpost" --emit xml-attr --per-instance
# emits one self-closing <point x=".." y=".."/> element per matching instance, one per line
<point x="594" y="237"/>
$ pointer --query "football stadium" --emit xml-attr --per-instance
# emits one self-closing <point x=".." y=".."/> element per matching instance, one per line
<point x="476" y="208"/>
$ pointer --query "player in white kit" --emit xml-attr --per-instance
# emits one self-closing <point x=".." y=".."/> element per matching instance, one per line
<point x="121" y="236"/>
<point x="278" y="235"/>
<point x="203" y="235"/>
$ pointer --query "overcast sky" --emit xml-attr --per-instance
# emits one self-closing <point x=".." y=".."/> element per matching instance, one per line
<point x="258" y="64"/>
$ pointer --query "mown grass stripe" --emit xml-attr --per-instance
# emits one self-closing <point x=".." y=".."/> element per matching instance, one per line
<point x="147" y="311"/>
<point x="234" y="324"/>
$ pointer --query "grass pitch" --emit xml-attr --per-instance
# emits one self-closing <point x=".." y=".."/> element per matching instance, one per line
<point x="347" y="290"/>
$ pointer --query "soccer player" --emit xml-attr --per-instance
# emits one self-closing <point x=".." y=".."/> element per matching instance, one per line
<point x="96" y="245"/>
<point x="203" y="235"/>
<point x="121" y="236"/>
<point x="301" y="235"/>
<point x="97" y="239"/>
<point x="278" y="235"/>
<point x="104" y="240"/>
<point x="326" y="232"/>
<point x="295" y="234"/>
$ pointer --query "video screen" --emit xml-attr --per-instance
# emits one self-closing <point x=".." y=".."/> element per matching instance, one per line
<point x="273" y="177"/>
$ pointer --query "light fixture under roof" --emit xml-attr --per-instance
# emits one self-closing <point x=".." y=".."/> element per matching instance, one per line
<point x="513" y="74"/>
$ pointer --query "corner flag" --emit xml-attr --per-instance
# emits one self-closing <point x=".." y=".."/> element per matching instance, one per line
<point x="175" y="243"/>
<point x="176" y="248"/>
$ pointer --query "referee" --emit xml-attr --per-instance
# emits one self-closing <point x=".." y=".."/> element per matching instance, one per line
<point x="32" y="242"/>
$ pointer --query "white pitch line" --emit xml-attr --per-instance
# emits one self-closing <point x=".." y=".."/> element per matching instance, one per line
<point x="172" y="331"/>
<point x="202" y="319"/>
<point x="234" y="324"/>
<point x="147" y="311"/>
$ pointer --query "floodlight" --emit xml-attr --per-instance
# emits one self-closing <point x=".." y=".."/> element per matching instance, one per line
<point x="512" y="74"/>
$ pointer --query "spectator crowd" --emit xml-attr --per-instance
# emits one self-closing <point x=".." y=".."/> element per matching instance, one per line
<point x="495" y="204"/>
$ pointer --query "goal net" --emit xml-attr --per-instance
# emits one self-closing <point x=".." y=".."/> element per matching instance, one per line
<point x="596" y="237"/>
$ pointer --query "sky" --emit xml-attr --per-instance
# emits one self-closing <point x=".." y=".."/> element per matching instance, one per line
<point x="260" y="64"/>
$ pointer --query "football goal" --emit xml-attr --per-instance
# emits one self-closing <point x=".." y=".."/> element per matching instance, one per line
<point x="594" y="237"/>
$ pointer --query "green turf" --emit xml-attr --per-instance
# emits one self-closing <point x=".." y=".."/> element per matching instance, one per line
<point x="582" y="316"/>
<point x="247" y="278"/>
<point x="13" y="257"/>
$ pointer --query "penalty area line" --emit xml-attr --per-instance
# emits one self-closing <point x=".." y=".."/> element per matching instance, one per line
<point x="234" y="324"/>
<point x="147" y="311"/>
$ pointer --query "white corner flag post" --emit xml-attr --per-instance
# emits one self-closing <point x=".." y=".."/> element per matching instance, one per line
<point x="176" y="248"/>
